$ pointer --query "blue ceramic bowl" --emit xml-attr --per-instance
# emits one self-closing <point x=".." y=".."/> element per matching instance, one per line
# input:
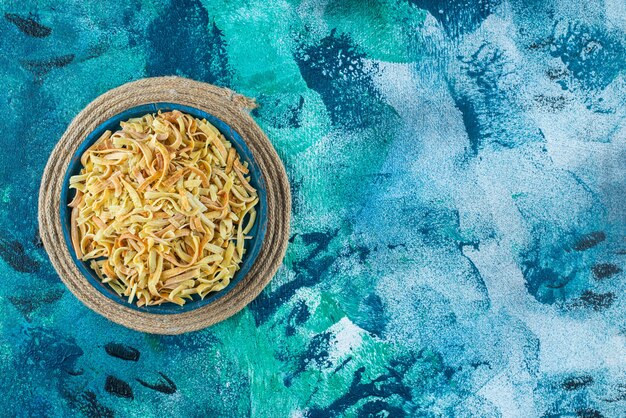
<point x="253" y="246"/>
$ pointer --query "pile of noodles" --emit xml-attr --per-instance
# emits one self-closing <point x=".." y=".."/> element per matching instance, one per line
<point x="162" y="209"/>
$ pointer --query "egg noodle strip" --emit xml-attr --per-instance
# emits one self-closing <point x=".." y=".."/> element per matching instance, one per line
<point x="162" y="209"/>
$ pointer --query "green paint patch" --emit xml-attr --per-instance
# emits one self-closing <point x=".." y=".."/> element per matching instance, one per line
<point x="258" y="351"/>
<point x="291" y="141"/>
<point x="5" y="194"/>
<point x="327" y="313"/>
<point x="260" y="45"/>
<point x="382" y="28"/>
<point x="330" y="170"/>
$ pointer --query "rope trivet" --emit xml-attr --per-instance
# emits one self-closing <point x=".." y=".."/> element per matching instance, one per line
<point x="227" y="106"/>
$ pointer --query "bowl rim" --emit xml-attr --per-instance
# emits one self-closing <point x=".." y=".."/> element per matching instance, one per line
<point x="253" y="246"/>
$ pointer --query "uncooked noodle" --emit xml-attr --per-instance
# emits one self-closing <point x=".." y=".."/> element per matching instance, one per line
<point x="162" y="210"/>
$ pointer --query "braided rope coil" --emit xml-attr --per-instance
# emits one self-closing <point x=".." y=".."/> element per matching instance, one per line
<point x="230" y="108"/>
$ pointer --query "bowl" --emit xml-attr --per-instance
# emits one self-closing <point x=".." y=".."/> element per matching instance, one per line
<point x="252" y="246"/>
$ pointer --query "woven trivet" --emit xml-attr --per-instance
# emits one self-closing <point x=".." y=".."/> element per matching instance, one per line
<point x="231" y="108"/>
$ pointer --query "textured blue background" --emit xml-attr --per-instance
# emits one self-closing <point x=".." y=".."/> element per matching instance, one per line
<point x="459" y="225"/>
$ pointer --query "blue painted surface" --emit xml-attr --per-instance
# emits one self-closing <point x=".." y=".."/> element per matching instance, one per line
<point x="457" y="244"/>
<point x="252" y="246"/>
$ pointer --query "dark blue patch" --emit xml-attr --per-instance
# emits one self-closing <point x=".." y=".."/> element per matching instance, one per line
<point x="293" y="118"/>
<point x="87" y="404"/>
<point x="589" y="413"/>
<point x="40" y="68"/>
<point x="471" y="121"/>
<point x="478" y="363"/>
<point x="384" y="386"/>
<point x="182" y="41"/>
<point x="51" y="351"/>
<point x="320" y="239"/>
<point x="129" y="17"/>
<point x="550" y="103"/>
<point x="298" y="316"/>
<point x="308" y="273"/>
<point x="280" y="111"/>
<point x="589" y="241"/>
<point x="361" y="251"/>
<point x="316" y="355"/>
<point x="488" y="112"/>
<point x="540" y="44"/>
<point x="343" y="364"/>
<point x="30" y="303"/>
<point x="550" y="267"/>
<point x="335" y="68"/>
<point x="316" y="352"/>
<point x="118" y="387"/>
<point x="267" y="303"/>
<point x="14" y="254"/>
<point x="122" y="351"/>
<point x="592" y="55"/>
<point x="603" y="271"/>
<point x="596" y="301"/>
<point x="544" y="283"/>
<point x="371" y="315"/>
<point x="28" y="25"/>
<point x="164" y="385"/>
<point x="458" y="16"/>
<point x="554" y="268"/>
<point x="378" y="408"/>
<point x="555" y="74"/>
<point x="577" y="382"/>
